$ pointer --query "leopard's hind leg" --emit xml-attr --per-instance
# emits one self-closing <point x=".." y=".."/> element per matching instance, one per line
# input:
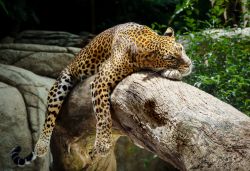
<point x="56" y="96"/>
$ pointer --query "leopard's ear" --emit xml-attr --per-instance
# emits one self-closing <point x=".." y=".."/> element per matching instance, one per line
<point x="169" y="32"/>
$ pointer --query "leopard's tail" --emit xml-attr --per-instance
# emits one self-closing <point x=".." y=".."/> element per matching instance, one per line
<point x="21" y="161"/>
<point x="56" y="96"/>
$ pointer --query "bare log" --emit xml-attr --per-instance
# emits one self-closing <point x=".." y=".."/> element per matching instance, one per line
<point x="183" y="125"/>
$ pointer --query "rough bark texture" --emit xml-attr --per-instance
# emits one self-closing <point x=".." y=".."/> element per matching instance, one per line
<point x="181" y="124"/>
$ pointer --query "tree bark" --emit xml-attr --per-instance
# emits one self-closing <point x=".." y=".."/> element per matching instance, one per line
<point x="183" y="125"/>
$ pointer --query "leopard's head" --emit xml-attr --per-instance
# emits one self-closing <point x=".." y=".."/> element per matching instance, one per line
<point x="167" y="54"/>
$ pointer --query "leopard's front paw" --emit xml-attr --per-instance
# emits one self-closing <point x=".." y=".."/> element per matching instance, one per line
<point x="172" y="74"/>
<point x="99" y="150"/>
<point x="41" y="148"/>
<point x="102" y="148"/>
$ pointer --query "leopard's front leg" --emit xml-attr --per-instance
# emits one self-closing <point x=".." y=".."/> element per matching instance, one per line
<point x="111" y="72"/>
<point x="101" y="91"/>
<point x="101" y="88"/>
<point x="108" y="77"/>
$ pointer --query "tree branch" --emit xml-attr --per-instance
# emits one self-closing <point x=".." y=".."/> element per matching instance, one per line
<point x="181" y="124"/>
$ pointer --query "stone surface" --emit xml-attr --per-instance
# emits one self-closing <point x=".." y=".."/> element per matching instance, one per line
<point x="45" y="63"/>
<point x="22" y="111"/>
<point x="13" y="118"/>
<point x="217" y="33"/>
<point x="58" y="38"/>
<point x="40" y="59"/>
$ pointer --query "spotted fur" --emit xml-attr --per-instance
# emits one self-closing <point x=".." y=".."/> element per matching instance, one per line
<point x="112" y="55"/>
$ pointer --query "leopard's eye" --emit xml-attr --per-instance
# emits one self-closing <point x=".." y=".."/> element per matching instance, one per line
<point x="169" y="57"/>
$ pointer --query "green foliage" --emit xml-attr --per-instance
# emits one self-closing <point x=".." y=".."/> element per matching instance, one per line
<point x="159" y="28"/>
<point x="195" y="15"/>
<point x="189" y="15"/>
<point x="222" y="68"/>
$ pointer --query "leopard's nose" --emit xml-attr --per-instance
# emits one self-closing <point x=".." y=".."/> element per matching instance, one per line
<point x="189" y="68"/>
<point x="190" y="64"/>
<point x="187" y="62"/>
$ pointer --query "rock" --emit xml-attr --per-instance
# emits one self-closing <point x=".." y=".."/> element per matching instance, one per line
<point x="45" y="63"/>
<point x="13" y="119"/>
<point x="23" y="107"/>
<point x="33" y="47"/>
<point x="73" y="50"/>
<point x="58" y="38"/>
<point x="40" y="59"/>
<point x="217" y="33"/>
<point x="7" y="39"/>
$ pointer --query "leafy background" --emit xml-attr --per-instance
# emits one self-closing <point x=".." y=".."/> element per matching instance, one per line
<point x="222" y="68"/>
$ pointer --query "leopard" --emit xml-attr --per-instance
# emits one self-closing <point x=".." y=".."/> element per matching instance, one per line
<point x="111" y="56"/>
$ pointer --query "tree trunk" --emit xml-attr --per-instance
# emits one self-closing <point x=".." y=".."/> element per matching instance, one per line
<point x="245" y="12"/>
<point x="183" y="125"/>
